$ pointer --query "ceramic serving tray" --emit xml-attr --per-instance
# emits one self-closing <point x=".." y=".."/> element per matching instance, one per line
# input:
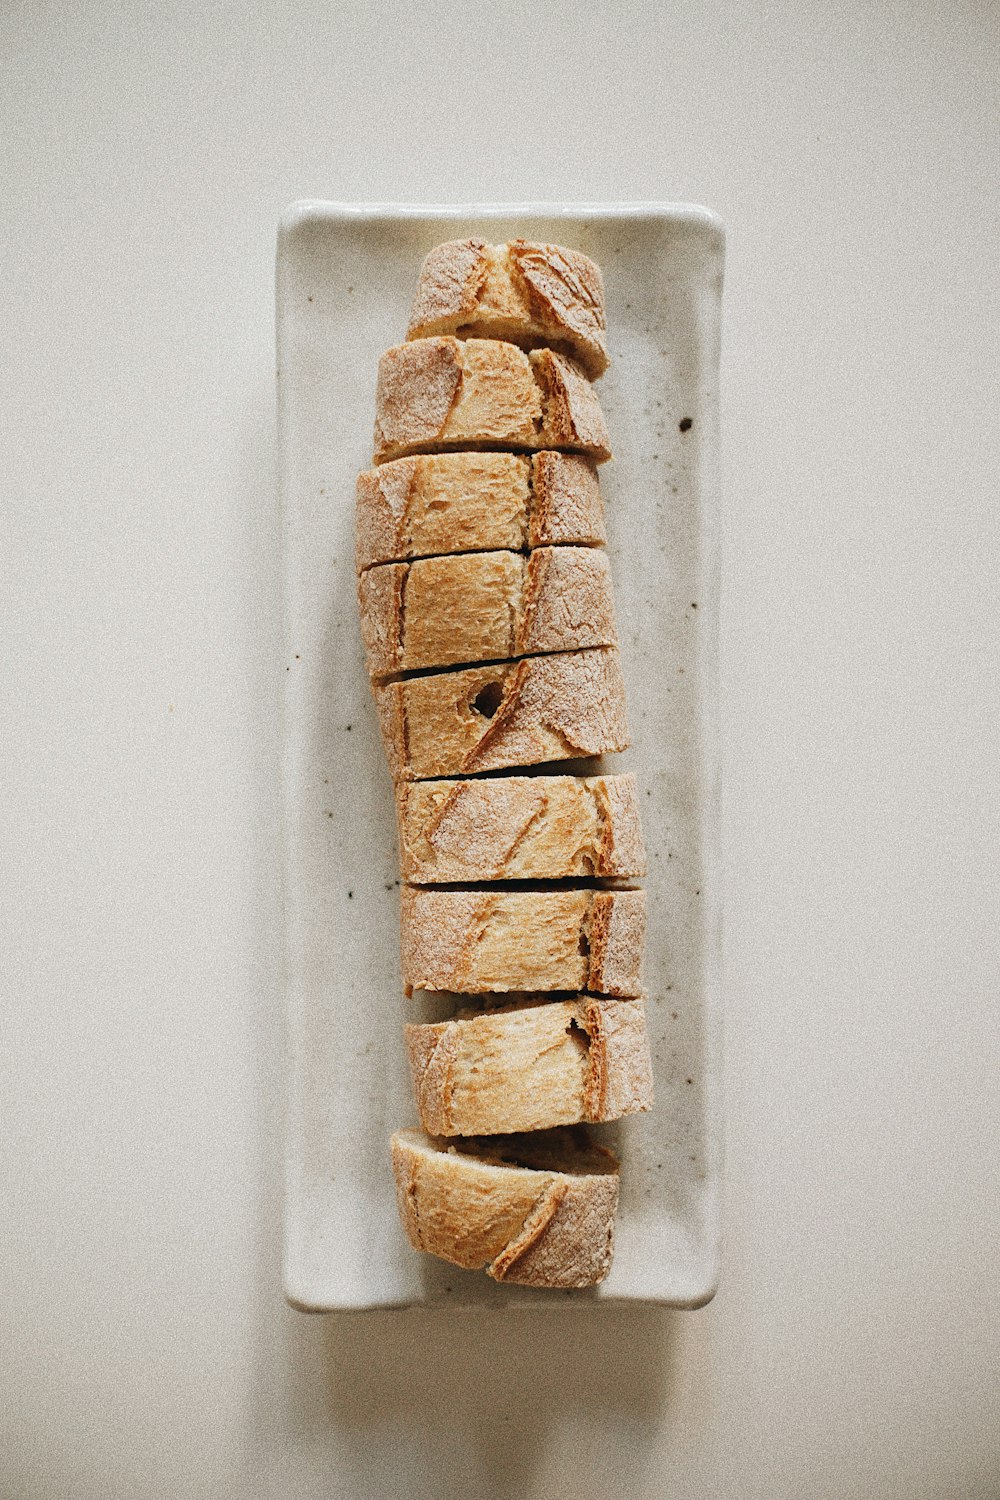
<point x="346" y="275"/>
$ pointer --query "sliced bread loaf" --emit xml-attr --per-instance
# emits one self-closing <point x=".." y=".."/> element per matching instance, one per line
<point x="519" y="828"/>
<point x="480" y="941"/>
<point x="532" y="1065"/>
<point x="443" y="393"/>
<point x="524" y="713"/>
<point x="476" y="502"/>
<point x="537" y="1210"/>
<point x="485" y="606"/>
<point x="524" y="292"/>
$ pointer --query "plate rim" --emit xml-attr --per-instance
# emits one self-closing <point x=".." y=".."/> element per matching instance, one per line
<point x="697" y="215"/>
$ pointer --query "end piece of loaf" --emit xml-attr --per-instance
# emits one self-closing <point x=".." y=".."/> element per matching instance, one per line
<point x="519" y="828"/>
<point x="532" y="1065"/>
<point x="544" y="708"/>
<point x="481" y="941"/>
<point x="443" y="393"/>
<point x="484" y="606"/>
<point x="525" y="292"/>
<point x="534" y="1210"/>
<point x="476" y="502"/>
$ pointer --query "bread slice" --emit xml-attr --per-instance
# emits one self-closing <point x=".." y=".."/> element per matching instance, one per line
<point x="485" y="606"/>
<point x="526" y="292"/>
<point x="480" y="941"/>
<point x="476" y="502"/>
<point x="524" y="713"/>
<point x="443" y="393"/>
<point x="536" y="1210"/>
<point x="519" y="828"/>
<point x="532" y="1065"/>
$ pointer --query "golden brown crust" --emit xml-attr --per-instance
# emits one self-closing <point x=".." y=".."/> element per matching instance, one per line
<point x="451" y="279"/>
<point x="435" y="503"/>
<point x="544" y="708"/>
<point x="621" y="849"/>
<point x="519" y="828"/>
<point x="533" y="1231"/>
<point x="382" y="511"/>
<point x="441" y="393"/>
<point x="393" y="719"/>
<point x="501" y="344"/>
<point x="416" y="390"/>
<point x="454" y="1206"/>
<point x="572" y="414"/>
<point x="442" y="502"/>
<point x="527" y="292"/>
<point x="567" y="603"/>
<point x="617" y="937"/>
<point x="621" y="1077"/>
<point x="382" y="610"/>
<point x="565" y="291"/>
<point x="577" y="1245"/>
<point x="566" y="503"/>
<point x="486" y="1206"/>
<point x="484" y="606"/>
<point x="532" y="1065"/>
<point x="483" y="941"/>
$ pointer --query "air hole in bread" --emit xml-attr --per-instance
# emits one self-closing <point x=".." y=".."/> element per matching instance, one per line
<point x="578" y="1034"/>
<point x="487" y="700"/>
<point x="583" y="944"/>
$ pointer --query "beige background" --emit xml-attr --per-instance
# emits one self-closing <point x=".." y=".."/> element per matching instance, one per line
<point x="146" y="152"/>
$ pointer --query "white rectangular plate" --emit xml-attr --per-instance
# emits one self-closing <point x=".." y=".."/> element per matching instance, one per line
<point x="346" y="274"/>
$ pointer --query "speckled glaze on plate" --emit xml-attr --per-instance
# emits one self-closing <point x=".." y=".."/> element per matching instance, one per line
<point x="346" y="275"/>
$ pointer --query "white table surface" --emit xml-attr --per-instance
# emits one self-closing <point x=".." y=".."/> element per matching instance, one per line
<point x="146" y="153"/>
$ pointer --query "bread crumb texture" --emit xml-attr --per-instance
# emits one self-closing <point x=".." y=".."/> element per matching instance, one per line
<point x="532" y="1065"/>
<point x="481" y="941"/>
<point x="520" y="828"/>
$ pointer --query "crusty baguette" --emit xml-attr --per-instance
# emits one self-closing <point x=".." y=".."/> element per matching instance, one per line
<point x="525" y="292"/>
<point x="519" y="828"/>
<point x="485" y="606"/>
<point x="531" y="1065"/>
<point x="480" y="941"/>
<point x="476" y="502"/>
<point x="533" y="1210"/>
<point x="443" y="393"/>
<point x="524" y="713"/>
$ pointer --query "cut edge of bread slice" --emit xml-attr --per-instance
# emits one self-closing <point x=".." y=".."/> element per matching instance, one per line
<point x="565" y="706"/>
<point x="484" y="606"/>
<point x="526" y="292"/>
<point x="481" y="941"/>
<point x="442" y="393"/>
<point x="431" y="504"/>
<point x="536" y="1210"/>
<point x="519" y="828"/>
<point x="532" y="1064"/>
